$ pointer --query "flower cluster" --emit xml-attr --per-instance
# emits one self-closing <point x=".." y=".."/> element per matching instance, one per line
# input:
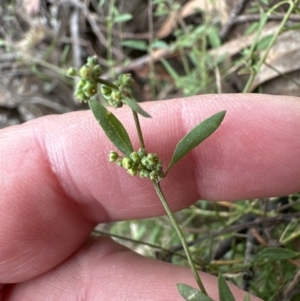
<point x="115" y="94"/>
<point x="147" y="165"/>
<point x="89" y="73"/>
<point x="88" y="85"/>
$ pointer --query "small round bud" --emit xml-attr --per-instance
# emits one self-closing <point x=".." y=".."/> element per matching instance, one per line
<point x="153" y="175"/>
<point x="125" y="80"/>
<point x="80" y="95"/>
<point x="127" y="163"/>
<point x="141" y="152"/>
<point x="113" y="156"/>
<point x="153" y="159"/>
<point x="106" y="91"/>
<point x="92" y="61"/>
<point x="86" y="72"/>
<point x="135" y="157"/>
<point x="119" y="162"/>
<point x="145" y="161"/>
<point x="90" y="89"/>
<point x="144" y="173"/>
<point x="71" y="72"/>
<point x="116" y="96"/>
<point x="158" y="167"/>
<point x="97" y="71"/>
<point x="81" y="83"/>
<point x="132" y="172"/>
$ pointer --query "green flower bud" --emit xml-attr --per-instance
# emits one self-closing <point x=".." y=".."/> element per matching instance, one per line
<point x="106" y="91"/>
<point x="141" y="152"/>
<point x="158" y="167"/>
<point x="90" y="88"/>
<point x="92" y="61"/>
<point x="117" y="83"/>
<point x="71" y="72"/>
<point x="145" y="161"/>
<point x="153" y="159"/>
<point x="80" y="95"/>
<point x="81" y="83"/>
<point x="116" y="96"/>
<point x="97" y="71"/>
<point x="144" y="173"/>
<point x="127" y="163"/>
<point x="86" y="72"/>
<point x="153" y="175"/>
<point x="132" y="172"/>
<point x="125" y="80"/>
<point x="119" y="162"/>
<point x="135" y="157"/>
<point x="113" y="156"/>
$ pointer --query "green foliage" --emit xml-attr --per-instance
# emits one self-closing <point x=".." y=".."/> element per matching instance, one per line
<point x="274" y="254"/>
<point x="197" y="135"/>
<point x="225" y="293"/>
<point x="112" y="127"/>
<point x="191" y="294"/>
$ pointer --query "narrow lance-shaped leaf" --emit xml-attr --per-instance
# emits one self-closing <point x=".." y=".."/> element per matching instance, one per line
<point x="135" y="106"/>
<point x="197" y="135"/>
<point x="112" y="127"/>
<point x="225" y="293"/>
<point x="274" y="254"/>
<point x="191" y="294"/>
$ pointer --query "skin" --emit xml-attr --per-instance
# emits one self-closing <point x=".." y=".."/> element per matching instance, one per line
<point x="56" y="184"/>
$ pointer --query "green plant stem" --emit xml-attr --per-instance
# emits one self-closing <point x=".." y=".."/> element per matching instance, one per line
<point x="180" y="234"/>
<point x="138" y="128"/>
<point x="107" y="83"/>
<point x="273" y="40"/>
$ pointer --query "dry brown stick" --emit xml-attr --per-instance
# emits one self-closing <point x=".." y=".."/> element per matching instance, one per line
<point x="256" y="17"/>
<point x="119" y="55"/>
<point x="231" y="22"/>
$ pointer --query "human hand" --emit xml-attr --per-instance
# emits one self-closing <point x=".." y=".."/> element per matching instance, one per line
<point x="56" y="185"/>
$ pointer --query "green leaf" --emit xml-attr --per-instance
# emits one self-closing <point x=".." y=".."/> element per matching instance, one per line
<point x="197" y="135"/>
<point x="112" y="127"/>
<point x="225" y="293"/>
<point x="274" y="254"/>
<point x="135" y="106"/>
<point x="191" y="294"/>
<point x="159" y="44"/>
<point x="135" y="44"/>
<point x="264" y="42"/>
<point x="170" y="70"/>
<point x="122" y="18"/>
<point x="214" y="37"/>
<point x="252" y="28"/>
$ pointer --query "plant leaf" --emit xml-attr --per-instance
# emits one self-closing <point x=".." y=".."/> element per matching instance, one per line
<point x="122" y="18"/>
<point x="135" y="44"/>
<point x="135" y="106"/>
<point x="112" y="127"/>
<point x="197" y="135"/>
<point x="191" y="294"/>
<point x="225" y="293"/>
<point x="274" y="253"/>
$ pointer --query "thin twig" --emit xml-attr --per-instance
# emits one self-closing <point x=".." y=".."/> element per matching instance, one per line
<point x="256" y="17"/>
<point x="231" y="22"/>
<point x="119" y="55"/>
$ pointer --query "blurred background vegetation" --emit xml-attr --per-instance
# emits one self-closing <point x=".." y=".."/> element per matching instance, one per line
<point x="172" y="49"/>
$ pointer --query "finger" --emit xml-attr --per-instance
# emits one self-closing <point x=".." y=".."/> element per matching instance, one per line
<point x="56" y="181"/>
<point x="104" y="270"/>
